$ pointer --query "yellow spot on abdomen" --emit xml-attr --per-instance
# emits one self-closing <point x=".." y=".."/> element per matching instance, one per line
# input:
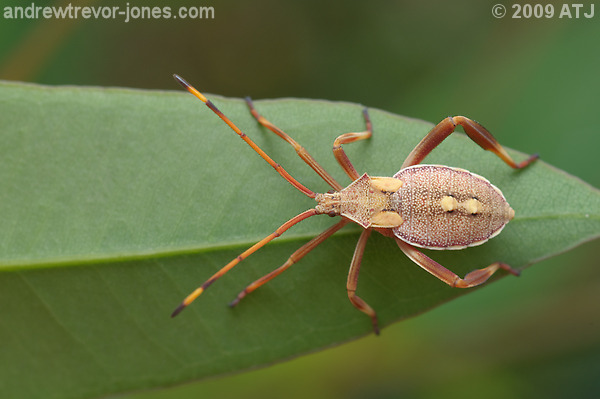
<point x="473" y="206"/>
<point x="449" y="203"/>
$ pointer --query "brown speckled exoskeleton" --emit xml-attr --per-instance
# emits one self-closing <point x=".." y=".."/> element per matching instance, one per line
<point x="426" y="206"/>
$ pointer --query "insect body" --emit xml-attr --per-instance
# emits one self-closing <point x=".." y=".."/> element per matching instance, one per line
<point x="427" y="206"/>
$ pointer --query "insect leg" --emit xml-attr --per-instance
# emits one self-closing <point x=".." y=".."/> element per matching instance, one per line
<point x="295" y="257"/>
<point x="352" y="283"/>
<point x="476" y="277"/>
<point x="284" y="227"/>
<point x="346" y="138"/>
<point x="301" y="151"/>
<point x="244" y="137"/>
<point x="474" y="130"/>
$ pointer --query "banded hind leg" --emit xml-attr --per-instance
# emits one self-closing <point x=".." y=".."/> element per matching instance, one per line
<point x="474" y="130"/>
<point x="472" y="279"/>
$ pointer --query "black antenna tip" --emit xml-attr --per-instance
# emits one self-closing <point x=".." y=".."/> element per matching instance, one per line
<point x="181" y="81"/>
<point x="178" y="310"/>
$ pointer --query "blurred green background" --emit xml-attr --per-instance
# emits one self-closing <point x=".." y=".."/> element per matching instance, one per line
<point x="533" y="82"/>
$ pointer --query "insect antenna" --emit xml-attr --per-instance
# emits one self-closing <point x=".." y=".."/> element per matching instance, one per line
<point x="244" y="137"/>
<point x="284" y="227"/>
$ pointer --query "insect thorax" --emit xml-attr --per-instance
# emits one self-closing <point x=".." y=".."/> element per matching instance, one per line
<point x="367" y="201"/>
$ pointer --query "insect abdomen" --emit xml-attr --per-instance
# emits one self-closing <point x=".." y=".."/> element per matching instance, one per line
<point x="448" y="208"/>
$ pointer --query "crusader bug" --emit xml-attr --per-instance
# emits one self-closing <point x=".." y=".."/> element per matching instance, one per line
<point x="426" y="206"/>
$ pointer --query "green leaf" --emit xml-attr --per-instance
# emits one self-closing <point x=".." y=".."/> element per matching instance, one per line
<point x="116" y="203"/>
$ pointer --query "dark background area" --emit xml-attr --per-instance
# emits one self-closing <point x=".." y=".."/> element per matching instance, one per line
<point x="533" y="82"/>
